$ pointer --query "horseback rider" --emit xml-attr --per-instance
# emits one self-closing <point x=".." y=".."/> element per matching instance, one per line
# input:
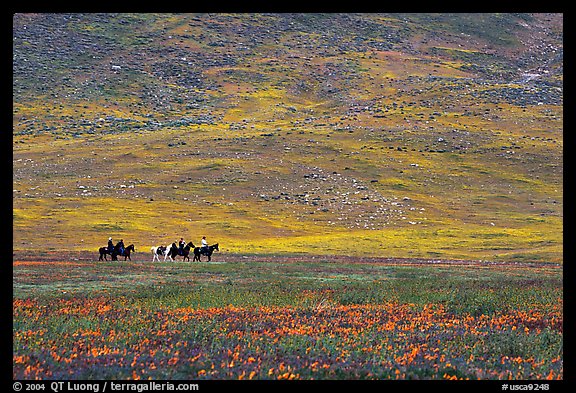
<point x="110" y="245"/>
<point x="181" y="245"/>
<point x="204" y="245"/>
<point x="120" y="247"/>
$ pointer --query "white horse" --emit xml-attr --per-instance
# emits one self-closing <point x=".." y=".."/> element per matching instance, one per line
<point x="167" y="253"/>
<point x="157" y="251"/>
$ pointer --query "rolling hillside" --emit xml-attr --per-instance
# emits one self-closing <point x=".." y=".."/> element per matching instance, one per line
<point x="394" y="135"/>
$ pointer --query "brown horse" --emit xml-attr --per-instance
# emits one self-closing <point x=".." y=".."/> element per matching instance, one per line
<point x="125" y="254"/>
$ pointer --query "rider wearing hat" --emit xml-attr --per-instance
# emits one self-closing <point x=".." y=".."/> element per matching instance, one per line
<point x="204" y="244"/>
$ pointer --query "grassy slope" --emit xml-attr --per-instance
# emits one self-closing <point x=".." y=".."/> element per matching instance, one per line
<point x="390" y="135"/>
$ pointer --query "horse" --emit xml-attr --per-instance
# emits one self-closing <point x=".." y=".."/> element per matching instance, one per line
<point x="157" y="251"/>
<point x="173" y="252"/>
<point x="125" y="254"/>
<point x="103" y="251"/>
<point x="201" y="251"/>
<point x="167" y="253"/>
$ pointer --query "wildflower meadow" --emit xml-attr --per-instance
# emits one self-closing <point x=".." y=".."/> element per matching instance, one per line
<point x="291" y="318"/>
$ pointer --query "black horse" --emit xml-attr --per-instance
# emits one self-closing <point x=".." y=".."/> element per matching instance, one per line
<point x="202" y="251"/>
<point x="185" y="252"/>
<point x="125" y="254"/>
<point x="103" y="251"/>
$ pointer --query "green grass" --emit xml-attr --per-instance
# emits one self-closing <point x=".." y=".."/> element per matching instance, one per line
<point x="244" y="282"/>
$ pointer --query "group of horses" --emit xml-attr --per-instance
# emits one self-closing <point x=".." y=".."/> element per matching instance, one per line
<point x="174" y="252"/>
<point x="168" y="252"/>
<point x="115" y="252"/>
